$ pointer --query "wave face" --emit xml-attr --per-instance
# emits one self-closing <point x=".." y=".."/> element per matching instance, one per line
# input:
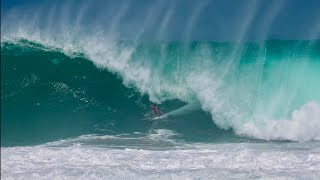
<point x="267" y="90"/>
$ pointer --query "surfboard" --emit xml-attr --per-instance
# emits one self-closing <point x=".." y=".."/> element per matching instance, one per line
<point x="159" y="117"/>
<point x="176" y="112"/>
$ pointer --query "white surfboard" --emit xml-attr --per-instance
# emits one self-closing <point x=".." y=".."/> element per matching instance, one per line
<point x="159" y="117"/>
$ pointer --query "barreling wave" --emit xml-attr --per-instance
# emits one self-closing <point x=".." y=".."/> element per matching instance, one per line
<point x="266" y="90"/>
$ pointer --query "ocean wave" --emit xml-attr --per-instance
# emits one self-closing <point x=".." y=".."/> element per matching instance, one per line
<point x="254" y="89"/>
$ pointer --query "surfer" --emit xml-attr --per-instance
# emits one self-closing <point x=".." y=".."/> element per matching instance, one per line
<point x="155" y="110"/>
<point x="152" y="109"/>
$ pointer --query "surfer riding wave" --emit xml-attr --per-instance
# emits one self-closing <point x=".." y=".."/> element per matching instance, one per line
<point x="155" y="110"/>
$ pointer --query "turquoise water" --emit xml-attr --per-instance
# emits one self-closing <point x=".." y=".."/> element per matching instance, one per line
<point x="238" y="85"/>
<point x="237" y="91"/>
<point x="78" y="110"/>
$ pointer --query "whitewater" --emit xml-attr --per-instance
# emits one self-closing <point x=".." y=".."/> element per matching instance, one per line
<point x="266" y="161"/>
<point x="75" y="103"/>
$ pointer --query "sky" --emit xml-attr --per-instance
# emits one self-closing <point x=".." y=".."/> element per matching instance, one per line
<point x="205" y="20"/>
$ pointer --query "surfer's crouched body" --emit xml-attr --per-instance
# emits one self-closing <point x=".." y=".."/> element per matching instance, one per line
<point x="155" y="110"/>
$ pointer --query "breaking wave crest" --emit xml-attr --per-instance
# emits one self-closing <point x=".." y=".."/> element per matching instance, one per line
<point x="267" y="90"/>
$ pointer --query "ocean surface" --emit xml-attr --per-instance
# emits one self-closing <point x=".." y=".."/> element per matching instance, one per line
<point x="80" y="109"/>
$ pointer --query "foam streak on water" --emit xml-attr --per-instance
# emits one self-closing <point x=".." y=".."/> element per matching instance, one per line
<point x="285" y="160"/>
